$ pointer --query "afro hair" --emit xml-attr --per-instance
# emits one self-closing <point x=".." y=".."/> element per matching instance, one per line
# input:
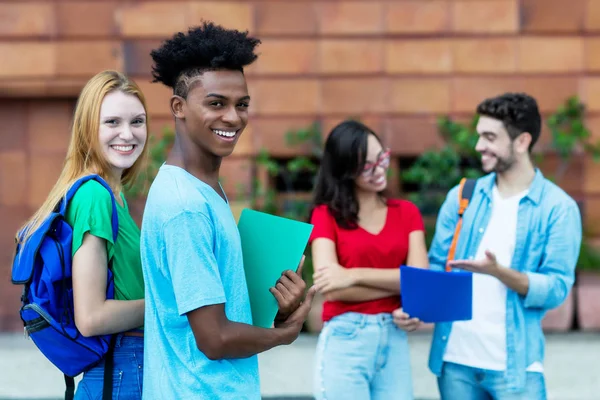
<point x="518" y="111"/>
<point x="208" y="47"/>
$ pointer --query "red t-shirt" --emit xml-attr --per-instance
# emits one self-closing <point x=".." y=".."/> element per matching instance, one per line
<point x="358" y="248"/>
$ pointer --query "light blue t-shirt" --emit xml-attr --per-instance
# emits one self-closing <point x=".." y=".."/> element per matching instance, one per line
<point x="191" y="257"/>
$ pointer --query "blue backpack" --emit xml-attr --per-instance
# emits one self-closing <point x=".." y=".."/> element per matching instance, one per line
<point x="43" y="265"/>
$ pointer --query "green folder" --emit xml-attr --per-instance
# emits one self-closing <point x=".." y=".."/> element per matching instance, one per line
<point x="270" y="245"/>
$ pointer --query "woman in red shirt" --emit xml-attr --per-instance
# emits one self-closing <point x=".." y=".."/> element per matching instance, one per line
<point x="360" y="239"/>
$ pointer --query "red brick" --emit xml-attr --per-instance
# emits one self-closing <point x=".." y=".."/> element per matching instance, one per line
<point x="274" y="18"/>
<point x="49" y="127"/>
<point x="493" y="16"/>
<point x="570" y="179"/>
<point x="88" y="58"/>
<point x="469" y="92"/>
<point x="590" y="93"/>
<point x="280" y="56"/>
<point x="70" y="22"/>
<point x="281" y="96"/>
<point x="154" y="19"/>
<point x="564" y="54"/>
<point x="27" y="60"/>
<point x="271" y="134"/>
<point x="592" y="15"/>
<point x="592" y="54"/>
<point x="44" y="170"/>
<point x="27" y="19"/>
<point x="356" y="96"/>
<point x="421" y="95"/>
<point x="591" y="215"/>
<point x="157" y="97"/>
<point x="13" y="178"/>
<point x="417" y="16"/>
<point x="13" y="115"/>
<point x="350" y="56"/>
<point x="245" y="143"/>
<point x="591" y="173"/>
<point x="552" y="15"/>
<point x="485" y="55"/>
<point x="351" y="18"/>
<point x="418" y="56"/>
<point x="232" y="15"/>
<point x="550" y="93"/>
<point x="413" y="135"/>
<point x="593" y="124"/>
<point x="236" y="177"/>
<point x="136" y="56"/>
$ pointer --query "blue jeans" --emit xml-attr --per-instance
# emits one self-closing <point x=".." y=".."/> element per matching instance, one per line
<point x="362" y="357"/>
<point x="127" y="372"/>
<point x="459" y="382"/>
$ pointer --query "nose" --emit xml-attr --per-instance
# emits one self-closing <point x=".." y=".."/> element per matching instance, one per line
<point x="126" y="133"/>
<point x="480" y="145"/>
<point x="231" y="116"/>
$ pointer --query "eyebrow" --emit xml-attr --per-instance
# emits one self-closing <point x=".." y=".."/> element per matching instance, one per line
<point x="117" y="117"/>
<point x="220" y="96"/>
<point x="488" y="133"/>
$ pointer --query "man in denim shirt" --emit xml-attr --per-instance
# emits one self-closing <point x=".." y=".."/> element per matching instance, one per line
<point x="521" y="236"/>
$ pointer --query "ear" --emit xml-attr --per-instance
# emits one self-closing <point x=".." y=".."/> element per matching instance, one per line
<point x="177" y="104"/>
<point x="522" y="142"/>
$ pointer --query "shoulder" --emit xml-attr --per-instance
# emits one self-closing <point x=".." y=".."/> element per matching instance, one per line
<point x="404" y="205"/>
<point x="91" y="194"/>
<point x="320" y="212"/>
<point x="172" y="195"/>
<point x="553" y="196"/>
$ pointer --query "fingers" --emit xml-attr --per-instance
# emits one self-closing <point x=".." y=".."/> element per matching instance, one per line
<point x="400" y="314"/>
<point x="283" y="290"/>
<point x="278" y="296"/>
<point x="300" y="266"/>
<point x="294" y="278"/>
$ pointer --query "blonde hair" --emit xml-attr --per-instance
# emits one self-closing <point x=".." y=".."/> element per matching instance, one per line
<point x="84" y="155"/>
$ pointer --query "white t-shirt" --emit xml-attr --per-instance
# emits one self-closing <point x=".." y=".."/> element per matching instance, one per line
<point x="481" y="342"/>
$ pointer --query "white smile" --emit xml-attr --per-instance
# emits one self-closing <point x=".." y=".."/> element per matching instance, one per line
<point x="379" y="180"/>
<point x="227" y="134"/>
<point x="123" y="148"/>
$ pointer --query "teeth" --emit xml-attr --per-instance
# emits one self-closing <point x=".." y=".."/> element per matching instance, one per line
<point x="123" y="148"/>
<point x="228" y="134"/>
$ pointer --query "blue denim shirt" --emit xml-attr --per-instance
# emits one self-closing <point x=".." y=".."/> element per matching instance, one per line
<point x="547" y="249"/>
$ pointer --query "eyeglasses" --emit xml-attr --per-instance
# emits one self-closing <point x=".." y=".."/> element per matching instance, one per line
<point x="383" y="161"/>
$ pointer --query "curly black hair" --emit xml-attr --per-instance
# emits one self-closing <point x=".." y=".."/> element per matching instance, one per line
<point x="208" y="47"/>
<point x="518" y="111"/>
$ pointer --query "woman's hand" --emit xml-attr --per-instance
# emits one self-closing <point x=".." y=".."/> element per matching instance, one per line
<point x="333" y="277"/>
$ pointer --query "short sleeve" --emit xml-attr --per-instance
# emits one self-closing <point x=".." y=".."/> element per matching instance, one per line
<point x="90" y="211"/>
<point x="189" y="249"/>
<point x="324" y="225"/>
<point x="413" y="217"/>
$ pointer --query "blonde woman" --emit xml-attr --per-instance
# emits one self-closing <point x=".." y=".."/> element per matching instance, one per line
<point x="108" y="139"/>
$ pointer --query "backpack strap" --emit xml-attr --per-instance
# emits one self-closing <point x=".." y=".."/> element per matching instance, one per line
<point x="466" y="188"/>
<point x="70" y="392"/>
<point x="77" y="184"/>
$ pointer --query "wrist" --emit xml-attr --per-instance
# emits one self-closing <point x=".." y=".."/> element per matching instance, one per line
<point x="356" y="276"/>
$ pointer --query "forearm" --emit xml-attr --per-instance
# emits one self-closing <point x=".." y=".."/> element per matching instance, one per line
<point x="386" y="279"/>
<point x="514" y="280"/>
<point x="237" y="340"/>
<point x="112" y="316"/>
<point x="358" y="294"/>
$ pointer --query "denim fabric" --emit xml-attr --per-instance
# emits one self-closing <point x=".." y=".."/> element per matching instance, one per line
<point x="127" y="372"/>
<point x="459" y="382"/>
<point x="362" y="357"/>
<point x="547" y="248"/>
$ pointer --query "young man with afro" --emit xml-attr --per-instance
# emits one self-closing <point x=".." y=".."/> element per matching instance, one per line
<point x="199" y="340"/>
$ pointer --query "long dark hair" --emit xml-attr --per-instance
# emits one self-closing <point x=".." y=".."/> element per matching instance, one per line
<point x="343" y="160"/>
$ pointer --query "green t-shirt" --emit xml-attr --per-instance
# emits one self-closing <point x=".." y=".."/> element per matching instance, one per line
<point x="90" y="210"/>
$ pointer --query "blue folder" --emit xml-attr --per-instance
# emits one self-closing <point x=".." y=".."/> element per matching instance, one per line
<point x="436" y="296"/>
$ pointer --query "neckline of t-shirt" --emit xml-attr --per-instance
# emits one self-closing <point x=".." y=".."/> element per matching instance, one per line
<point x="170" y="166"/>
<point x="515" y="197"/>
<point x="385" y="224"/>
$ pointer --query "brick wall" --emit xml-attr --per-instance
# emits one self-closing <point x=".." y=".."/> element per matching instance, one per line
<point x="397" y="64"/>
